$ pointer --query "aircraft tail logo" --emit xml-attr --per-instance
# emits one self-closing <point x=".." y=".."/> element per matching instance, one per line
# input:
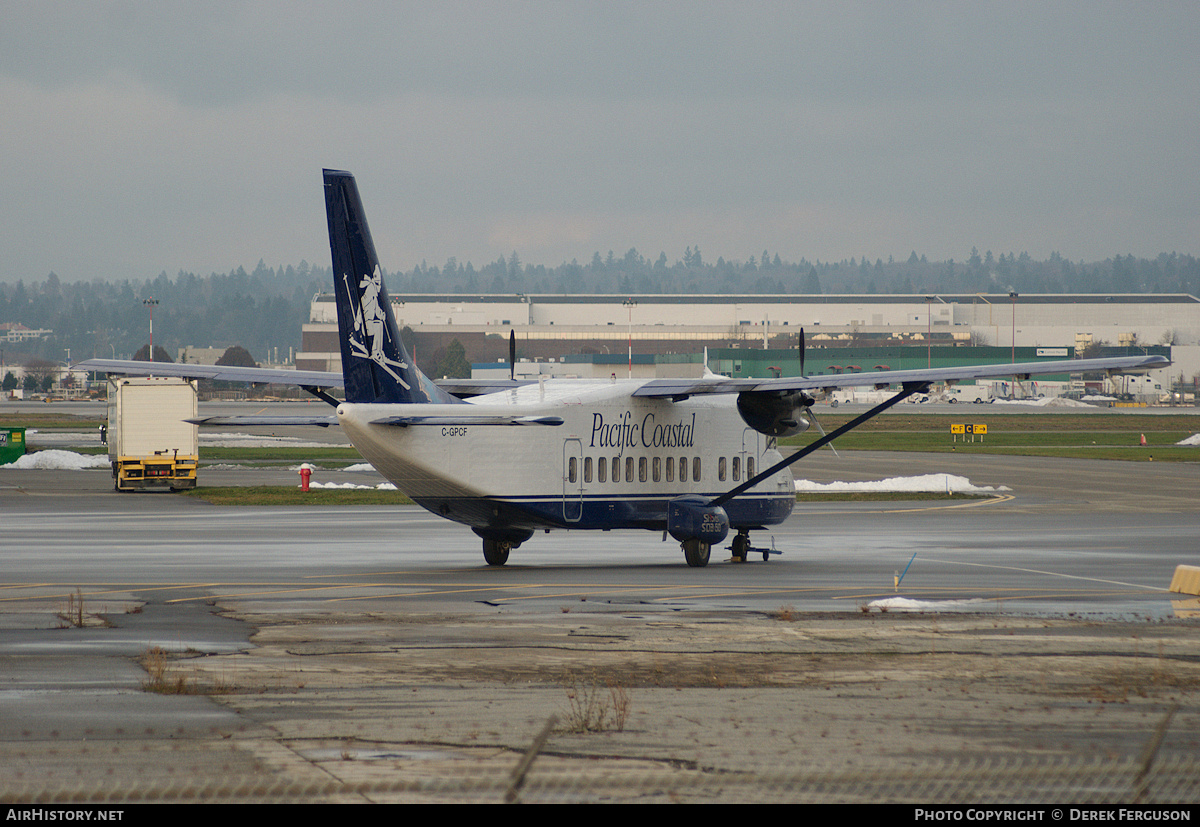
<point x="375" y="364"/>
<point x="368" y="337"/>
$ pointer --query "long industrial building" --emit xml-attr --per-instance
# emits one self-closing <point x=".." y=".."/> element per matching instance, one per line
<point x="555" y="326"/>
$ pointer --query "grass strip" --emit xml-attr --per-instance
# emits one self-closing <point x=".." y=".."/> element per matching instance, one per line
<point x="1073" y="436"/>
<point x="49" y="421"/>
<point x="292" y="495"/>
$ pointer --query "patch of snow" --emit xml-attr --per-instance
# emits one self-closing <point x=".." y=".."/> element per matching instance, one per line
<point x="357" y="468"/>
<point x="1046" y="402"/>
<point x="926" y="483"/>
<point x="383" y="486"/>
<point x="1064" y="402"/>
<point x="55" y="460"/>
<point x="907" y="604"/>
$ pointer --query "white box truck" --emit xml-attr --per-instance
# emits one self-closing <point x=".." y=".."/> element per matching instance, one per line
<point x="979" y="394"/>
<point x="150" y="445"/>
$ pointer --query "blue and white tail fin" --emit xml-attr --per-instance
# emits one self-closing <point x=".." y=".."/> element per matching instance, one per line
<point x="375" y="364"/>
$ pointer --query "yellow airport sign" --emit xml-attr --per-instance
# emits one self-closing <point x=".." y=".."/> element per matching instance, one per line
<point x="979" y="430"/>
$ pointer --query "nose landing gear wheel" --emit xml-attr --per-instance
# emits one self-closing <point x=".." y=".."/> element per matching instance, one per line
<point x="696" y="552"/>
<point x="741" y="547"/>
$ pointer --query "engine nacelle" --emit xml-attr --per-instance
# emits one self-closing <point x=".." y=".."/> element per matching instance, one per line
<point x="691" y="517"/>
<point x="774" y="413"/>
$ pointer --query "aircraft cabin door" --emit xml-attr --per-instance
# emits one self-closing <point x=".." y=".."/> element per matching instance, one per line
<point x="750" y="452"/>
<point x="572" y="480"/>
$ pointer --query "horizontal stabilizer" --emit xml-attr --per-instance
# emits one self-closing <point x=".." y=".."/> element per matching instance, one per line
<point x="322" y="421"/>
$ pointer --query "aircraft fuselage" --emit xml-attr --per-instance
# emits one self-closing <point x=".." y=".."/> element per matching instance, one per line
<point x="614" y="461"/>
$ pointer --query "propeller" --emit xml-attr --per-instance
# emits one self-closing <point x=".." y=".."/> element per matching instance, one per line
<point x="808" y="408"/>
<point x="512" y="354"/>
<point x="800" y="346"/>
<point x="817" y="422"/>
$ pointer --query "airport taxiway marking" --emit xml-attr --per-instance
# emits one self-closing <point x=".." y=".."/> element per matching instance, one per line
<point x="1048" y="574"/>
<point x="992" y="500"/>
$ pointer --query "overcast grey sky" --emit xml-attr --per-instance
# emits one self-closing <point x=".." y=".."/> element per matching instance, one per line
<point x="138" y="137"/>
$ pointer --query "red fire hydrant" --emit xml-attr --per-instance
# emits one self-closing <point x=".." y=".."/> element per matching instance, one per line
<point x="305" y="476"/>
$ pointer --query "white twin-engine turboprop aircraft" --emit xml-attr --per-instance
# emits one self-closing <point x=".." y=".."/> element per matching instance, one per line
<point x="693" y="458"/>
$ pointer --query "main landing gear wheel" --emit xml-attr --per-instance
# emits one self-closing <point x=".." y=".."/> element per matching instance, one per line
<point x="741" y="548"/>
<point x="495" y="552"/>
<point x="696" y="552"/>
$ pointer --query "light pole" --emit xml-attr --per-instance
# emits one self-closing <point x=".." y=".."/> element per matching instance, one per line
<point x="1013" y="295"/>
<point x="928" y="332"/>
<point x="150" y="303"/>
<point x="630" y="303"/>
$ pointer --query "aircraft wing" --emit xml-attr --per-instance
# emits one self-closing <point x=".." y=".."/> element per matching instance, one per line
<point x="260" y="376"/>
<point x="681" y="388"/>
<point x="462" y="388"/>
<point x="663" y="388"/>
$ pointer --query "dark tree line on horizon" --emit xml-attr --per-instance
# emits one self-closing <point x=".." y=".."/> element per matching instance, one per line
<point x="980" y="273"/>
<point x="263" y="310"/>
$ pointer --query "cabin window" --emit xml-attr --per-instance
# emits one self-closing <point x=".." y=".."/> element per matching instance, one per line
<point x="683" y="469"/>
<point x="695" y="469"/>
<point x="573" y="469"/>
<point x="721" y="469"/>
<point x="656" y="469"/>
<point x="737" y="468"/>
<point x="587" y="469"/>
<point x="749" y="467"/>
<point x="670" y="469"/>
<point x="642" y="469"/>
<point x="602" y="469"/>
<point x="616" y="469"/>
<point x="628" y="469"/>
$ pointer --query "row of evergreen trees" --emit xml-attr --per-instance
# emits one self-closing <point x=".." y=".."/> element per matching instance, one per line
<point x="263" y="310"/>
<point x="979" y="273"/>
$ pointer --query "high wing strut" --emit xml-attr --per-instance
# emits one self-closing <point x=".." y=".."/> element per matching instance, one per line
<point x="322" y="395"/>
<point x="909" y="388"/>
